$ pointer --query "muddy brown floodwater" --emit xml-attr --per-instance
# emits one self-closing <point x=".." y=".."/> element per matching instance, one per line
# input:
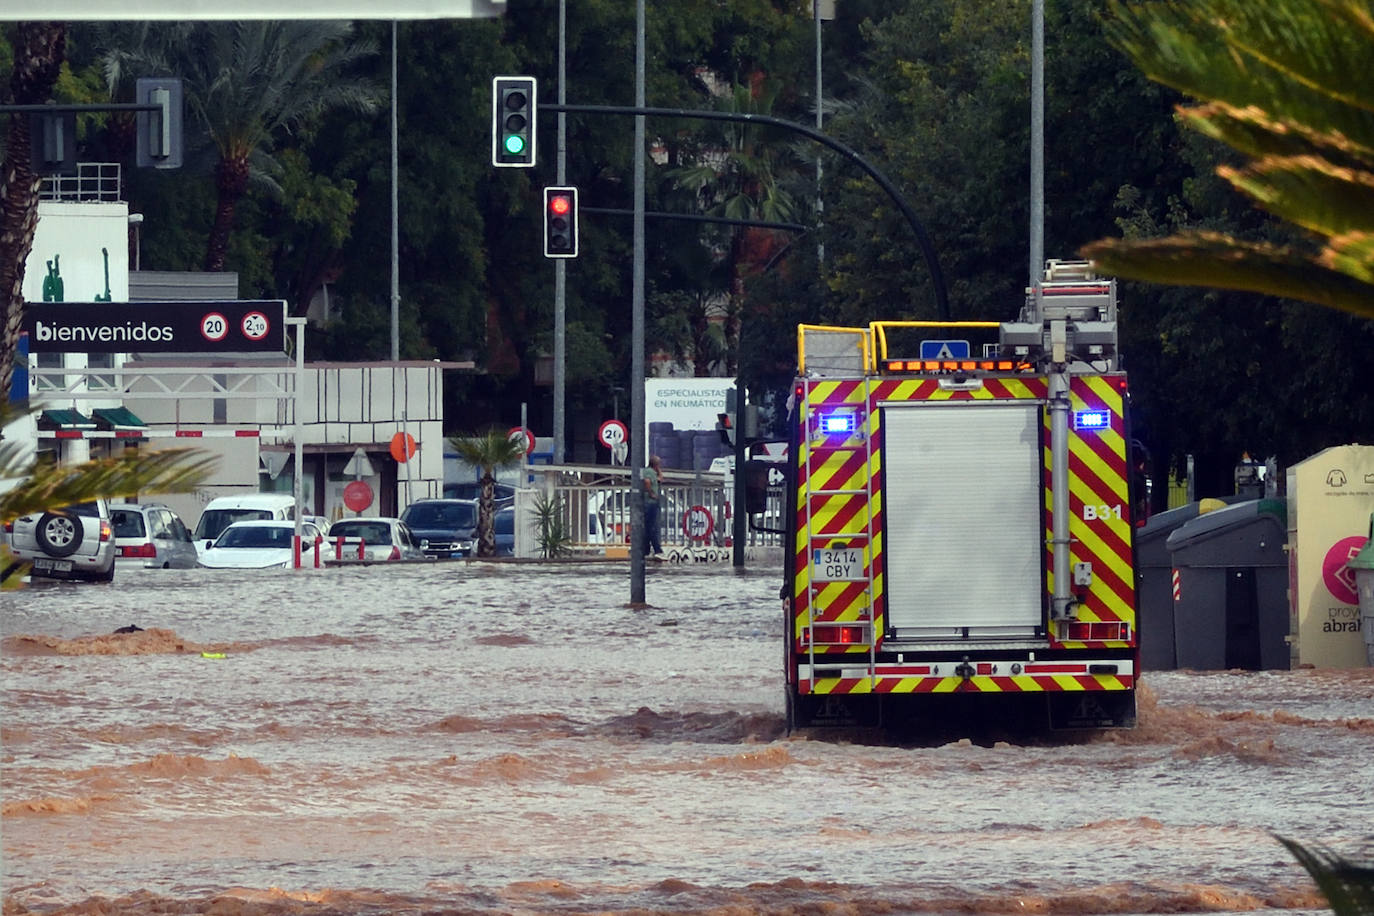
<point x="484" y="738"/>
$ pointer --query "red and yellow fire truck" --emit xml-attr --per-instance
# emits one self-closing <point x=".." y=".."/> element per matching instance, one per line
<point x="960" y="518"/>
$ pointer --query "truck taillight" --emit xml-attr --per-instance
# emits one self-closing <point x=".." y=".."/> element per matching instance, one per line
<point x="141" y="552"/>
<point x="1097" y="632"/>
<point x="837" y="635"/>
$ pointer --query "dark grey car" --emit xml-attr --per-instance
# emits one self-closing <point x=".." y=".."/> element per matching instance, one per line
<point x="444" y="527"/>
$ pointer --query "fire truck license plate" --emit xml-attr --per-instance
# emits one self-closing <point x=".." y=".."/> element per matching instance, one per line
<point x="843" y="564"/>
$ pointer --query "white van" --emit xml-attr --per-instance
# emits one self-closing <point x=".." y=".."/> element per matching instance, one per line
<point x="223" y="511"/>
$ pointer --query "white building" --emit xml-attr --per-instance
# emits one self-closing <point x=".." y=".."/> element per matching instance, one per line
<point x="240" y="407"/>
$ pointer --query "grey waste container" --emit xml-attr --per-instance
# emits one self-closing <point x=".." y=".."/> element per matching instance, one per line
<point x="1154" y="594"/>
<point x="1232" y="607"/>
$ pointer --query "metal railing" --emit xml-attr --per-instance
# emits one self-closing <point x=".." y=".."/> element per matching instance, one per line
<point x="93" y="181"/>
<point x="695" y="508"/>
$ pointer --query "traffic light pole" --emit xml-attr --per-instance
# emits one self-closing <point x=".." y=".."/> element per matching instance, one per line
<point x="937" y="278"/>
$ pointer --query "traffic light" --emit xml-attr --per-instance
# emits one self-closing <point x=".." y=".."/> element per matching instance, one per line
<point x="513" y="100"/>
<point x="159" y="143"/>
<point x="560" y="222"/>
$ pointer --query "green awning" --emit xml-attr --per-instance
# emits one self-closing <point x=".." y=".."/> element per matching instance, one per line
<point x="64" y="419"/>
<point x="116" y="418"/>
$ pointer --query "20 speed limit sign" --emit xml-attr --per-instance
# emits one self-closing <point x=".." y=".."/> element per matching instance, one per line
<point x="697" y="523"/>
<point x="213" y="327"/>
<point x="613" y="433"/>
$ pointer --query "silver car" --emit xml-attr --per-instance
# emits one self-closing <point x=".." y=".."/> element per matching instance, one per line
<point x="151" y="535"/>
<point x="73" y="542"/>
<point x="371" y="540"/>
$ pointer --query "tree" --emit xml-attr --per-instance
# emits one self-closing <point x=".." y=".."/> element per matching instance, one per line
<point x="738" y="172"/>
<point x="488" y="451"/>
<point x="247" y="85"/>
<point x="39" y="48"/>
<point x="1281" y="83"/>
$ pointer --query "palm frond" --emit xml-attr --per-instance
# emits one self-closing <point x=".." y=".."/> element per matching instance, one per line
<point x="1281" y="82"/>
<point x="1348" y="886"/>
<point x="1293" y="59"/>
<point x="1255" y="132"/>
<point x="489" y="450"/>
<point x="1309" y="191"/>
<point x="49" y="485"/>
<point x="1218" y="261"/>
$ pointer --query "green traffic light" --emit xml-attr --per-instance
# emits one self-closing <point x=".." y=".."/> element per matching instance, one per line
<point x="515" y="144"/>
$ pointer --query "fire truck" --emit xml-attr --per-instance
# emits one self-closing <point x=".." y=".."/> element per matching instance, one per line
<point x="959" y="511"/>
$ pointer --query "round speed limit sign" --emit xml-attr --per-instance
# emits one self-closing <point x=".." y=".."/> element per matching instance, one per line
<point x="255" y="325"/>
<point x="697" y="523"/>
<point x="213" y="327"/>
<point x="613" y="433"/>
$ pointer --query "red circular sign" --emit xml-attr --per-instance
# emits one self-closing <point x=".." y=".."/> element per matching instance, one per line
<point x="213" y="327"/>
<point x="612" y="433"/>
<point x="697" y="523"/>
<point x="255" y="325"/>
<point x="357" y="495"/>
<point x="517" y="433"/>
<point x="1339" y="578"/>
<point x="402" y="447"/>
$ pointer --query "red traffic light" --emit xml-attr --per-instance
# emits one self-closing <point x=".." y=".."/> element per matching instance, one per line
<point x="560" y="222"/>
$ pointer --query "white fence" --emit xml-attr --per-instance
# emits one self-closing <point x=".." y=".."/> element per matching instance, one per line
<point x="695" y="515"/>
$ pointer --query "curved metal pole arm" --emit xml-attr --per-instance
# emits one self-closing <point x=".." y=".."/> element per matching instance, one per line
<point x="937" y="278"/>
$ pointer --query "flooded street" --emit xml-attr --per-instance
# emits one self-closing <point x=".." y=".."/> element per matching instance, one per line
<point x="512" y="738"/>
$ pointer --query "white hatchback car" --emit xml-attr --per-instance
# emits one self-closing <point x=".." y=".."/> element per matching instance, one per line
<point x="262" y="544"/>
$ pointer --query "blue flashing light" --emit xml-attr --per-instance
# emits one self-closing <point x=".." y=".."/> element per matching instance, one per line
<point x="834" y="423"/>
<point x="1092" y="420"/>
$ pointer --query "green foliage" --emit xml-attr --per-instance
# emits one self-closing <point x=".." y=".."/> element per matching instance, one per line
<point x="489" y="451"/>
<point x="1279" y="83"/>
<point x="934" y="93"/>
<point x="555" y="540"/>
<point x="1347" y="885"/>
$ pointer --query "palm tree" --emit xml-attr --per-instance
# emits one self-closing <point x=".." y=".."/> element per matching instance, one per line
<point x="39" y="49"/>
<point x="739" y="177"/>
<point x="247" y="85"/>
<point x="488" y="451"/>
<point x="35" y="486"/>
<point x="1283" y="83"/>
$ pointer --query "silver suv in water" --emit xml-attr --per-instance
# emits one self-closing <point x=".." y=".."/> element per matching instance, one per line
<point x="73" y="542"/>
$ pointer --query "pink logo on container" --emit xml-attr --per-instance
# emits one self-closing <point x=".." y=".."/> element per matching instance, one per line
<point x="1339" y="578"/>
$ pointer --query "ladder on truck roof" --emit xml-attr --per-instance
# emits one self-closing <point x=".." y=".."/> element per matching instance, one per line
<point x="839" y="515"/>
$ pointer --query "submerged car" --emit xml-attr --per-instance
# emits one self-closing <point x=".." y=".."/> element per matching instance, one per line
<point x="503" y="524"/>
<point x="262" y="544"/>
<point x="223" y="511"/>
<point x="371" y="540"/>
<point x="445" y="527"/>
<point x="502" y="493"/>
<point x="72" y="542"/>
<point x="151" y="535"/>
